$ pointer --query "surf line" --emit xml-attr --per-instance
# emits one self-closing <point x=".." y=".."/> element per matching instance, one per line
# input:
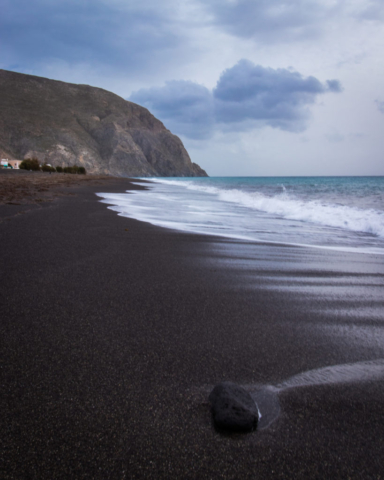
<point x="266" y="397"/>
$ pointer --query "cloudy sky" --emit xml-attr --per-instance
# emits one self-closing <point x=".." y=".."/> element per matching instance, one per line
<point x="252" y="87"/>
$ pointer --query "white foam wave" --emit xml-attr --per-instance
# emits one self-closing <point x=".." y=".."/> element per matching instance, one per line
<point x="288" y="206"/>
<point x="345" y="373"/>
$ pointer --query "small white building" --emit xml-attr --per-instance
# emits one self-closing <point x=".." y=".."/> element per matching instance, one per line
<point x="5" y="163"/>
<point x="15" y="163"/>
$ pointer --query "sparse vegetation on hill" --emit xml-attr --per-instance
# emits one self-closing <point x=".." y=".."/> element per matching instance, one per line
<point x="74" y="169"/>
<point x="33" y="164"/>
<point x="48" y="168"/>
<point x="30" y="164"/>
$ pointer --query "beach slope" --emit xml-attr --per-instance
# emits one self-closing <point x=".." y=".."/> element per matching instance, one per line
<point x="114" y="332"/>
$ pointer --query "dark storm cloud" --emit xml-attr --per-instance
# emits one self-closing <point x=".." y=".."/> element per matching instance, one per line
<point x="246" y="96"/>
<point x="271" y="20"/>
<point x="126" y="35"/>
<point x="185" y="107"/>
<point x="278" y="98"/>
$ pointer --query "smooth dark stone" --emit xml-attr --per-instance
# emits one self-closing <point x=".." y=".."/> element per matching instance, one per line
<point x="233" y="408"/>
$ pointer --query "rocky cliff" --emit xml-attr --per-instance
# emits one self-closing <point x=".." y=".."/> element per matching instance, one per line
<point x="66" y="124"/>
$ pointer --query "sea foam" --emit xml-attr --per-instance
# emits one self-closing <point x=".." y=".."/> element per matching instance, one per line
<point x="344" y="214"/>
<point x="286" y="205"/>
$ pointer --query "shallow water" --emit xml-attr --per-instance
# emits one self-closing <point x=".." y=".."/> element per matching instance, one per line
<point x="266" y="397"/>
<point x="340" y="213"/>
<point x="347" y="373"/>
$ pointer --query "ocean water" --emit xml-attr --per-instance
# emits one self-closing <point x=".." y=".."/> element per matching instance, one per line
<point x="337" y="213"/>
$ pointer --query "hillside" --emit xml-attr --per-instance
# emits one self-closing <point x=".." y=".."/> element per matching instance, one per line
<point x="65" y="124"/>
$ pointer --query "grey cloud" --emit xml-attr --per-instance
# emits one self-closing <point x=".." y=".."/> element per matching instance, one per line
<point x="276" y="21"/>
<point x="335" y="137"/>
<point x="246" y="96"/>
<point x="185" y="107"/>
<point x="126" y="35"/>
<point x="357" y="136"/>
<point x="334" y="86"/>
<point x="278" y="98"/>
<point x="380" y="105"/>
<point x="373" y="10"/>
<point x="271" y="20"/>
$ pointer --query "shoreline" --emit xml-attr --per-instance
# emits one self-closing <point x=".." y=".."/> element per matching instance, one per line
<point x="116" y="330"/>
<point x="22" y="187"/>
<point x="262" y="213"/>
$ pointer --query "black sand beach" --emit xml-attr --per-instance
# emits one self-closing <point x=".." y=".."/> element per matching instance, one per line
<point x="113" y="333"/>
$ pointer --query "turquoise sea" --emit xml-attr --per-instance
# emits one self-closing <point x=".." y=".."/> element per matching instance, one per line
<point x="338" y="213"/>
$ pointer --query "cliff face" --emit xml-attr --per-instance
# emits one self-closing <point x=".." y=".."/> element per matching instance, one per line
<point x="66" y="124"/>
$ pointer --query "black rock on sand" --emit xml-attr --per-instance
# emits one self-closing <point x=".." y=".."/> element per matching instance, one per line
<point x="233" y="408"/>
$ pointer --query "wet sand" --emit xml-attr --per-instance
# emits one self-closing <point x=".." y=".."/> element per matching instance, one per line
<point x="22" y="187"/>
<point x="113" y="333"/>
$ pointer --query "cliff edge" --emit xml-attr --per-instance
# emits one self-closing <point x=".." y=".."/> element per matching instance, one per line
<point x="66" y="124"/>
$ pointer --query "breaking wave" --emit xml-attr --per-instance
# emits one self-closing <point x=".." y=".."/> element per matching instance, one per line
<point x="287" y="205"/>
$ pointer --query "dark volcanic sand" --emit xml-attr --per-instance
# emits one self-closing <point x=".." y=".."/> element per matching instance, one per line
<point x="113" y="332"/>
